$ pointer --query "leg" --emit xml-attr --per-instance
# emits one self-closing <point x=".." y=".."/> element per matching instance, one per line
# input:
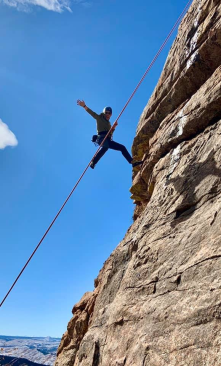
<point x="115" y="146"/>
<point x="102" y="151"/>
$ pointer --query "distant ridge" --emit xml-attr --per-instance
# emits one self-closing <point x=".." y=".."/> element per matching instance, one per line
<point x="26" y="337"/>
<point x="37" y="350"/>
<point x="6" y="360"/>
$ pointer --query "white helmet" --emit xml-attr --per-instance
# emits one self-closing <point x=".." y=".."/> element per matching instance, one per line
<point x="107" y="109"/>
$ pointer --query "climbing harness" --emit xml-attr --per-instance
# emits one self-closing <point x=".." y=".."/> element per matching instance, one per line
<point x="110" y="131"/>
<point x="94" y="140"/>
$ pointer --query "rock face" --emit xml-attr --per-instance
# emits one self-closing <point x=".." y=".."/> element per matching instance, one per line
<point x="157" y="300"/>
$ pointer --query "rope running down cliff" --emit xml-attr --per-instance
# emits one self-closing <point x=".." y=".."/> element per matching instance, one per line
<point x="113" y="127"/>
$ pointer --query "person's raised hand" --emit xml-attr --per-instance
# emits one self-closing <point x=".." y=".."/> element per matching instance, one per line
<point x="81" y="103"/>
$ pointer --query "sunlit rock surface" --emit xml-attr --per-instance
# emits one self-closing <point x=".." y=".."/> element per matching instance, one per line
<point x="157" y="299"/>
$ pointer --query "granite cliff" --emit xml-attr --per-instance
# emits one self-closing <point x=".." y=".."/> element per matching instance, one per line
<point x="157" y="299"/>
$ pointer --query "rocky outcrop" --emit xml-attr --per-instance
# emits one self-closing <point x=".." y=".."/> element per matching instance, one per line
<point x="192" y="61"/>
<point x="157" y="299"/>
<point x="77" y="327"/>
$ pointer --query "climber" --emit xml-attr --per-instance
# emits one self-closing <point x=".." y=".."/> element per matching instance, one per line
<point x="103" y="126"/>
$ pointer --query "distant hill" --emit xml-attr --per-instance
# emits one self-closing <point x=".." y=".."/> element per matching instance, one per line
<point x="34" y="350"/>
<point x="12" y="361"/>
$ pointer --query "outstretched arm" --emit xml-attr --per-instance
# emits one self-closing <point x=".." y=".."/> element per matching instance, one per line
<point x="82" y="103"/>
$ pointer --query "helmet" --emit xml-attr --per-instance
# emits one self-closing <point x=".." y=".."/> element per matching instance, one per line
<point x="107" y="109"/>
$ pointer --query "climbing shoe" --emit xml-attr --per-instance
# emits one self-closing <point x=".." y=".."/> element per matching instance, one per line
<point x="137" y="163"/>
<point x="92" y="165"/>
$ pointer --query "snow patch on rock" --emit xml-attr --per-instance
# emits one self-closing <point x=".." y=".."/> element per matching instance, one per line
<point x="193" y="43"/>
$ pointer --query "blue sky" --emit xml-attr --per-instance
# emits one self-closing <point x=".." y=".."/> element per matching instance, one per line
<point x="52" y="53"/>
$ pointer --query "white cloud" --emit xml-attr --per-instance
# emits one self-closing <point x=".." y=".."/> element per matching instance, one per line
<point x="54" y="5"/>
<point x="7" y="137"/>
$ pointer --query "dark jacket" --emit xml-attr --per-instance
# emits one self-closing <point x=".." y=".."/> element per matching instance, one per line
<point x="102" y="123"/>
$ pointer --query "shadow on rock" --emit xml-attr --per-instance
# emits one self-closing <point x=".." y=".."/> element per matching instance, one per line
<point x="187" y="183"/>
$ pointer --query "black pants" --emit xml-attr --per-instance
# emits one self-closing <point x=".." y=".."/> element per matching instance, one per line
<point x="109" y="144"/>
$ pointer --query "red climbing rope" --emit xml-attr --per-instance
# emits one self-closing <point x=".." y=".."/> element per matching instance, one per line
<point x="113" y="127"/>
